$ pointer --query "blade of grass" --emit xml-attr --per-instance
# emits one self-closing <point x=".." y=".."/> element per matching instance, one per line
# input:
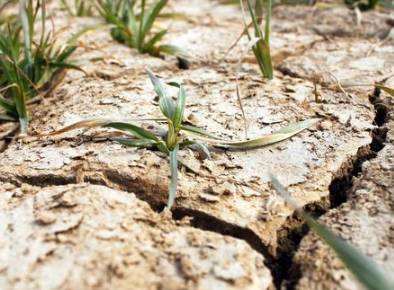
<point x="275" y="137"/>
<point x="174" y="175"/>
<point x="179" y="106"/>
<point x="6" y="117"/>
<point x="8" y="105"/>
<point x="137" y="142"/>
<point x="195" y="131"/>
<point x="361" y="266"/>
<point x="173" y="50"/>
<point x="138" y="132"/>
<point x="166" y="104"/>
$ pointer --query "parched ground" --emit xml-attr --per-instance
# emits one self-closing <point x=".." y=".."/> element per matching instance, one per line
<point x="81" y="212"/>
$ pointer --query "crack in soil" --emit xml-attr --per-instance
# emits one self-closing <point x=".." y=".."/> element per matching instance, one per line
<point x="286" y="274"/>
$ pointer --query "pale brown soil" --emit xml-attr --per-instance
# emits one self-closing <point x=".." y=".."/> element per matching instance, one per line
<point x="82" y="212"/>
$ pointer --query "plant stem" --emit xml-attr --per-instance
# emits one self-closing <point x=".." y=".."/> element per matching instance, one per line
<point x="267" y="23"/>
<point x="140" y="33"/>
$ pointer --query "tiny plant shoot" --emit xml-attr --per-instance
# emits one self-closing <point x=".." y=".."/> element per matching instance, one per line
<point x="133" y="23"/>
<point x="361" y="267"/>
<point x="260" y="39"/>
<point x="179" y="135"/>
<point x="30" y="66"/>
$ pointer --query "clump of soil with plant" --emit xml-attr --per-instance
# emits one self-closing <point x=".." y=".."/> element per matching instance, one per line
<point x="196" y="144"/>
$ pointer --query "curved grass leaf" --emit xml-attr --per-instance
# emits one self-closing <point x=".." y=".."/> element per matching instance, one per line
<point x="6" y="117"/>
<point x="195" y="131"/>
<point x="151" y="15"/>
<point x="388" y="90"/>
<point x="137" y="142"/>
<point x="174" y="175"/>
<point x="275" y="137"/>
<point x="179" y="106"/>
<point x="120" y="125"/>
<point x="166" y="104"/>
<point x="138" y="132"/>
<point x="261" y="49"/>
<point x="150" y="45"/>
<point x="173" y="50"/>
<point x="8" y="105"/>
<point x="361" y="266"/>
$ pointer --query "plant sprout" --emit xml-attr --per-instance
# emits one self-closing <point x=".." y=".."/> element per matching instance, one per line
<point x="260" y="40"/>
<point x="178" y="134"/>
<point x="361" y="266"/>
<point x="30" y="67"/>
<point x="133" y="25"/>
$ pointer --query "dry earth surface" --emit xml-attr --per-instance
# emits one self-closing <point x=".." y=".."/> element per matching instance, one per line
<point x="82" y="212"/>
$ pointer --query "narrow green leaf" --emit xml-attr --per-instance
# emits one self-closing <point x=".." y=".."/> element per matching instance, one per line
<point x="192" y="130"/>
<point x="179" y="106"/>
<point x="388" y="90"/>
<point x="166" y="104"/>
<point x="24" y="18"/>
<point x="136" y="142"/>
<point x="6" y="117"/>
<point x="138" y="132"/>
<point x="173" y="50"/>
<point x="151" y="16"/>
<point x="275" y="137"/>
<point x="361" y="266"/>
<point x="8" y="105"/>
<point x="174" y="176"/>
<point x="150" y="45"/>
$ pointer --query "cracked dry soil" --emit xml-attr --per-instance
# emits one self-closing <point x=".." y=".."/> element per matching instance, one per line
<point x="81" y="212"/>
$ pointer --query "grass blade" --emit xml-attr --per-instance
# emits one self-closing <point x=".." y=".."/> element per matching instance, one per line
<point x="195" y="131"/>
<point x="388" y="90"/>
<point x="152" y="14"/>
<point x="6" y="117"/>
<point x="8" y="105"/>
<point x="266" y="140"/>
<point x="150" y="45"/>
<point x="179" y="106"/>
<point x="137" y="142"/>
<point x="361" y="266"/>
<point x="173" y="50"/>
<point x="174" y="176"/>
<point x="166" y="104"/>
<point x="138" y="132"/>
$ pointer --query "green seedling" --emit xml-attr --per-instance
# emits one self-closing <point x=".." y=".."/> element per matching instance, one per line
<point x="81" y="7"/>
<point x="30" y="67"/>
<point x="361" y="266"/>
<point x="133" y="25"/>
<point x="260" y="39"/>
<point x="180" y="135"/>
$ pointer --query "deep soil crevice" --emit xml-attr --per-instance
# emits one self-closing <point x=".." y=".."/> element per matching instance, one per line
<point x="286" y="273"/>
<point x="210" y="223"/>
